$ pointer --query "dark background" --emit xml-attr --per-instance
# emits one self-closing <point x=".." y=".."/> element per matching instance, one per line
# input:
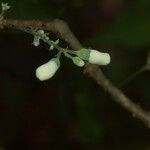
<point x="70" y="111"/>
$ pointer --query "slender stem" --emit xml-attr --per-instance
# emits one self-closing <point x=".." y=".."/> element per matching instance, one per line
<point x="59" y="54"/>
<point x="67" y="55"/>
<point x="133" y="76"/>
<point x="50" y="42"/>
<point x="44" y="38"/>
<point x="71" y="51"/>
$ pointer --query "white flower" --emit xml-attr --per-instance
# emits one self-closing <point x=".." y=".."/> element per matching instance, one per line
<point x="94" y="56"/>
<point x="5" y="6"/>
<point x="47" y="70"/>
<point x="99" y="58"/>
<point x="78" y="61"/>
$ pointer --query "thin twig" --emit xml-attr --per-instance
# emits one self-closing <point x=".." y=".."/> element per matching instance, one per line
<point x="117" y="94"/>
<point x="61" y="29"/>
<point x="132" y="76"/>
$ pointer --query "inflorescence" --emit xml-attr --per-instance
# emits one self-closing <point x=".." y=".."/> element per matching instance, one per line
<point x="79" y="57"/>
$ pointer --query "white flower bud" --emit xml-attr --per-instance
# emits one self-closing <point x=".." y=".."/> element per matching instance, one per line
<point x="78" y="61"/>
<point x="5" y="6"/>
<point x="99" y="58"/>
<point x="51" y="47"/>
<point x="40" y="32"/>
<point x="47" y="70"/>
<point x="94" y="56"/>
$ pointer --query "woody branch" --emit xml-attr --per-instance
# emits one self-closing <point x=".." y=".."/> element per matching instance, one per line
<point x="62" y="30"/>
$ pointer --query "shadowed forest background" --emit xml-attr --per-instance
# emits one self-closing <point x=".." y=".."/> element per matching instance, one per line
<point x="70" y="111"/>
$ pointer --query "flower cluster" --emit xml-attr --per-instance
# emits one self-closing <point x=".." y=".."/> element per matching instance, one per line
<point x="48" y="70"/>
<point x="38" y="35"/>
<point x="79" y="58"/>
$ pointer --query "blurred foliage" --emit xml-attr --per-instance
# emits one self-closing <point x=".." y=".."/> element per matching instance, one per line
<point x="90" y="130"/>
<point x="130" y="28"/>
<point x="34" y="9"/>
